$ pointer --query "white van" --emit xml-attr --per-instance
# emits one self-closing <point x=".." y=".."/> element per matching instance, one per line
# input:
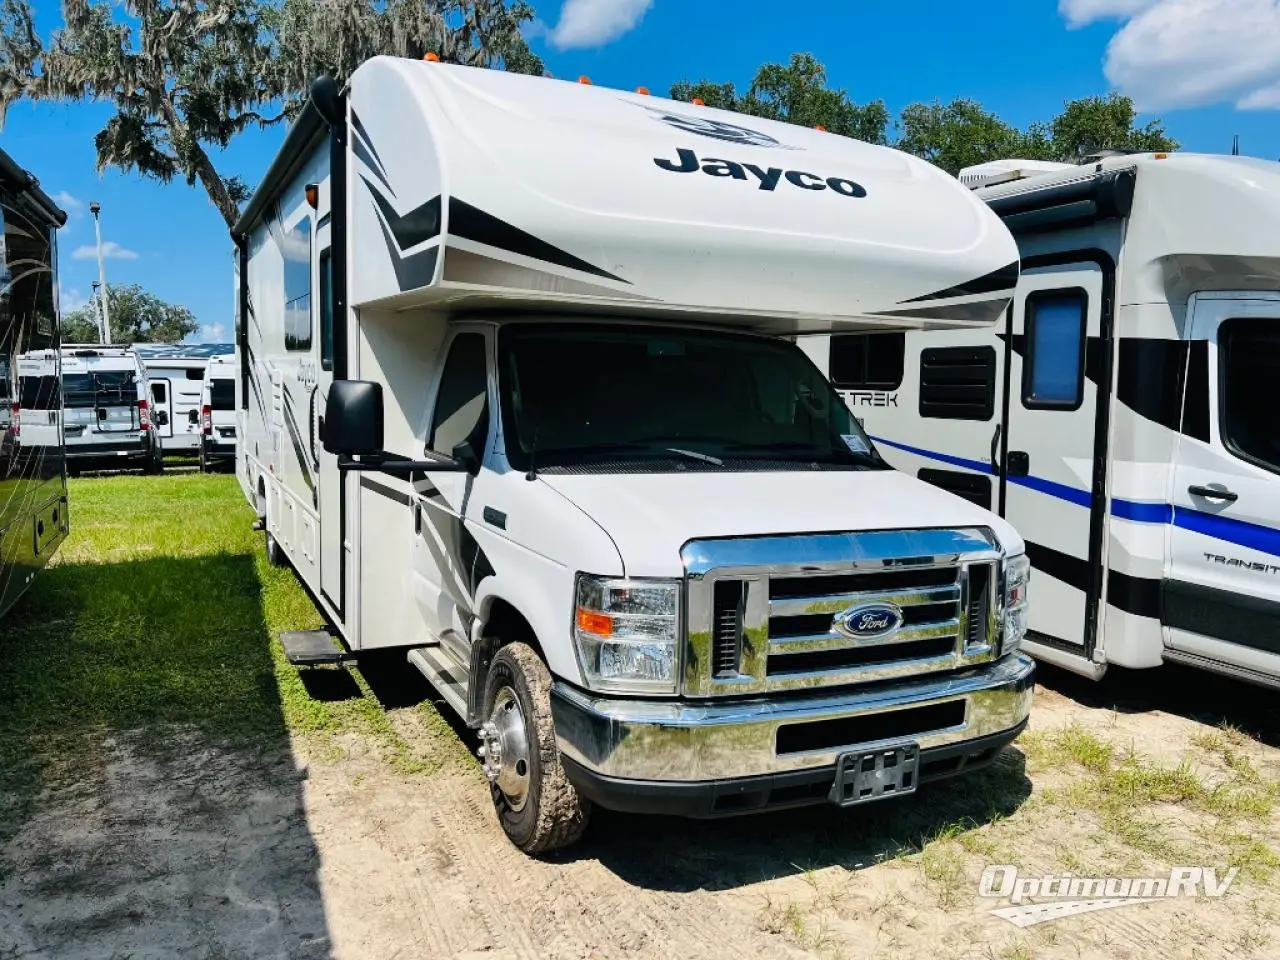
<point x="518" y="396"/>
<point x="175" y="372"/>
<point x="106" y="410"/>
<point x="1121" y="416"/>
<point x="218" y="414"/>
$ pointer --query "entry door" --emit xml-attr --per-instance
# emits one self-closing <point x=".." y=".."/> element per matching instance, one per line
<point x="330" y="481"/>
<point x="162" y="402"/>
<point x="1052" y="449"/>
<point x="1222" y="597"/>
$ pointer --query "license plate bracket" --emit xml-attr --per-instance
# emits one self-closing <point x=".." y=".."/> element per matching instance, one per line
<point x="867" y="775"/>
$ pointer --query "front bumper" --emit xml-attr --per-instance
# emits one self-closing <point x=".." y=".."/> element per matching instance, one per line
<point x="684" y="757"/>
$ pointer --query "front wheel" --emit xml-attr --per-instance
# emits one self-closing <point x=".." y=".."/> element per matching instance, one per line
<point x="275" y="556"/>
<point x="539" y="809"/>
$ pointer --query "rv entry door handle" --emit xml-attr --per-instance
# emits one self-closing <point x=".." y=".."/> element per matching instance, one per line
<point x="1213" y="493"/>
<point x="1019" y="464"/>
<point x="996" y="466"/>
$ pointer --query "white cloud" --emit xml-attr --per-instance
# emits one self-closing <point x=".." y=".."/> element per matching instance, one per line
<point x="1078" y="13"/>
<point x="593" y="23"/>
<point x="211" y="333"/>
<point x="69" y="299"/>
<point x="72" y="205"/>
<point x="1186" y="53"/>
<point x="110" y="251"/>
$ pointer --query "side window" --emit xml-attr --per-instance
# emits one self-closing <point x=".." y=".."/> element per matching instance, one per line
<point x="326" y="309"/>
<point x="462" y="405"/>
<point x="867" y="361"/>
<point x="159" y="392"/>
<point x="1249" y="368"/>
<point x="1053" y="368"/>
<point x="297" y="286"/>
<point x="958" y="383"/>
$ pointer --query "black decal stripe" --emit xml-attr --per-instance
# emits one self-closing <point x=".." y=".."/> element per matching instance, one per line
<point x="414" y="271"/>
<point x="472" y="223"/>
<point x="364" y="140"/>
<point x="383" y="491"/>
<point x="362" y="152"/>
<point x="1139" y="596"/>
<point x="1002" y="280"/>
<point x="1195" y="417"/>
<point x="982" y="311"/>
<point x="299" y="453"/>
<point x="1223" y="615"/>
<point x="419" y="225"/>
<point x="1071" y="570"/>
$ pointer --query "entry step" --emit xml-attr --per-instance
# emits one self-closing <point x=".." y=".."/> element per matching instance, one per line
<point x="309" y="648"/>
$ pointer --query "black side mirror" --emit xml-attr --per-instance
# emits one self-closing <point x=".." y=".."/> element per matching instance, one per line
<point x="353" y="418"/>
<point x="193" y="416"/>
<point x="162" y="418"/>
<point x="465" y="454"/>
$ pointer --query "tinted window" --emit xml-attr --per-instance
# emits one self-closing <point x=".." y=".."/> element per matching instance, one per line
<point x="958" y="383"/>
<point x="296" y="248"/>
<point x="1249" y="372"/>
<point x="159" y="392"/>
<point x="867" y="361"/>
<point x="581" y="393"/>
<point x="222" y="394"/>
<point x="39" y="393"/>
<point x="1053" y="367"/>
<point x="326" y="310"/>
<point x="102" y="388"/>
<point x="462" y="407"/>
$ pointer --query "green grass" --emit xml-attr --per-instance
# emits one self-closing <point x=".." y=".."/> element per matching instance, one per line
<point x="161" y="610"/>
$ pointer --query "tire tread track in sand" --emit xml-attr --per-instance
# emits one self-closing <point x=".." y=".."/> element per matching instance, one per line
<point x="419" y="902"/>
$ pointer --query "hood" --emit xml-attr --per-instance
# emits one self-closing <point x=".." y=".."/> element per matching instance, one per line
<point x="651" y="516"/>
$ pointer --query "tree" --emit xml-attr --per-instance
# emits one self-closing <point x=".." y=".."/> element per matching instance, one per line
<point x="336" y="36"/>
<point x="1105" y="123"/>
<point x="136" y="317"/>
<point x="962" y="133"/>
<point x="796" y="92"/>
<point x="184" y="77"/>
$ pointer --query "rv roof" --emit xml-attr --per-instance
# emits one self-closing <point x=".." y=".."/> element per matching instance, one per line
<point x="151" y="352"/>
<point x="479" y="187"/>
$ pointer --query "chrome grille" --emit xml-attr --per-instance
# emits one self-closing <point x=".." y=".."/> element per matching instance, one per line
<point x="775" y="624"/>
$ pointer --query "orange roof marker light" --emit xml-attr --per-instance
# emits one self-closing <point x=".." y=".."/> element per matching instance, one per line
<point x="586" y="81"/>
<point x="698" y="102"/>
<point x="820" y="128"/>
<point x="1162" y="156"/>
<point x="643" y="91"/>
<point x="431" y="57"/>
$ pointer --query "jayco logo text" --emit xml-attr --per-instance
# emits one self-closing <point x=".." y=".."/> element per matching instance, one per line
<point x="767" y="178"/>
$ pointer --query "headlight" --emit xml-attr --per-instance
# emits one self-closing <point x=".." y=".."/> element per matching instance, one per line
<point x="1017" y="574"/>
<point x="626" y="634"/>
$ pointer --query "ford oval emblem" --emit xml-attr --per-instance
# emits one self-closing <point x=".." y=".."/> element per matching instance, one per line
<point x="870" y="621"/>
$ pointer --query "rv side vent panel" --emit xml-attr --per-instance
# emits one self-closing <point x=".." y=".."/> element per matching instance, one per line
<point x="958" y="383"/>
<point x="726" y="628"/>
<point x="973" y="487"/>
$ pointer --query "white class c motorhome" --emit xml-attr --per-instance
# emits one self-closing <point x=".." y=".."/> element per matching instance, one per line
<point x="33" y="480"/>
<point x="1121" y="417"/>
<point x="175" y="372"/>
<point x="517" y="394"/>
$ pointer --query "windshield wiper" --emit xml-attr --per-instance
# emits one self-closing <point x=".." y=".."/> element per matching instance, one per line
<point x="693" y="454"/>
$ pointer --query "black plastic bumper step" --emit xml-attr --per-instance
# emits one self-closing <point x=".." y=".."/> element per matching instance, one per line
<point x="308" y="648"/>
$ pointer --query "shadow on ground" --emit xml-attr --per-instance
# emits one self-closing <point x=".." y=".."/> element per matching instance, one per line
<point x="1198" y="695"/>
<point x="149" y="802"/>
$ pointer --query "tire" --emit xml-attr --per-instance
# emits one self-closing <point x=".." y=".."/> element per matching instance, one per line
<point x="543" y="811"/>
<point x="275" y="556"/>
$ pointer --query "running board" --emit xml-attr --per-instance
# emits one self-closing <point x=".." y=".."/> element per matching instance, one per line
<point x="1072" y="662"/>
<point x="310" y="648"/>
<point x="445" y="674"/>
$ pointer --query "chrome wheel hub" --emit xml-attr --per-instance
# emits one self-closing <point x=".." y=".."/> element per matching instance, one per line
<point x="504" y="749"/>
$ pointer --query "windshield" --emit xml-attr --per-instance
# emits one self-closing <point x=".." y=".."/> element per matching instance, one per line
<point x="100" y="388"/>
<point x="584" y="392"/>
<point x="222" y="393"/>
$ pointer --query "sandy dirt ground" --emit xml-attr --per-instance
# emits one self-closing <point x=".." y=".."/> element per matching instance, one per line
<point x="169" y="845"/>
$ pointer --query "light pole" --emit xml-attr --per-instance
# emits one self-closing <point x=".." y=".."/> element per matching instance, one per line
<point x="97" y="296"/>
<point x="94" y="208"/>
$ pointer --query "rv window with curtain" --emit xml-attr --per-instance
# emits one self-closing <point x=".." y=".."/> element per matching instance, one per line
<point x="326" y="309"/>
<point x="867" y="361"/>
<point x="958" y="383"/>
<point x="462" y="405"/>
<point x="1053" y="362"/>
<point x="1249" y="368"/>
<point x="296" y="249"/>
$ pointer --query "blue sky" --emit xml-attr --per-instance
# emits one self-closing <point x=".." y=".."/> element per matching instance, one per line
<point x="1210" y="68"/>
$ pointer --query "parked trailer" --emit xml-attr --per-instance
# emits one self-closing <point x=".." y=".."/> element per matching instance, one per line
<point x="1122" y="416"/>
<point x="176" y="376"/>
<point x="33" y="487"/>
<point x="517" y="394"/>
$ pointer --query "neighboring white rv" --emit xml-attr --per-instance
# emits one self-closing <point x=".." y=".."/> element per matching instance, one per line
<point x="516" y="394"/>
<point x="176" y="376"/>
<point x="33" y="480"/>
<point x="1122" y="415"/>
<point x="106" y="410"/>
<point x="218" y="414"/>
